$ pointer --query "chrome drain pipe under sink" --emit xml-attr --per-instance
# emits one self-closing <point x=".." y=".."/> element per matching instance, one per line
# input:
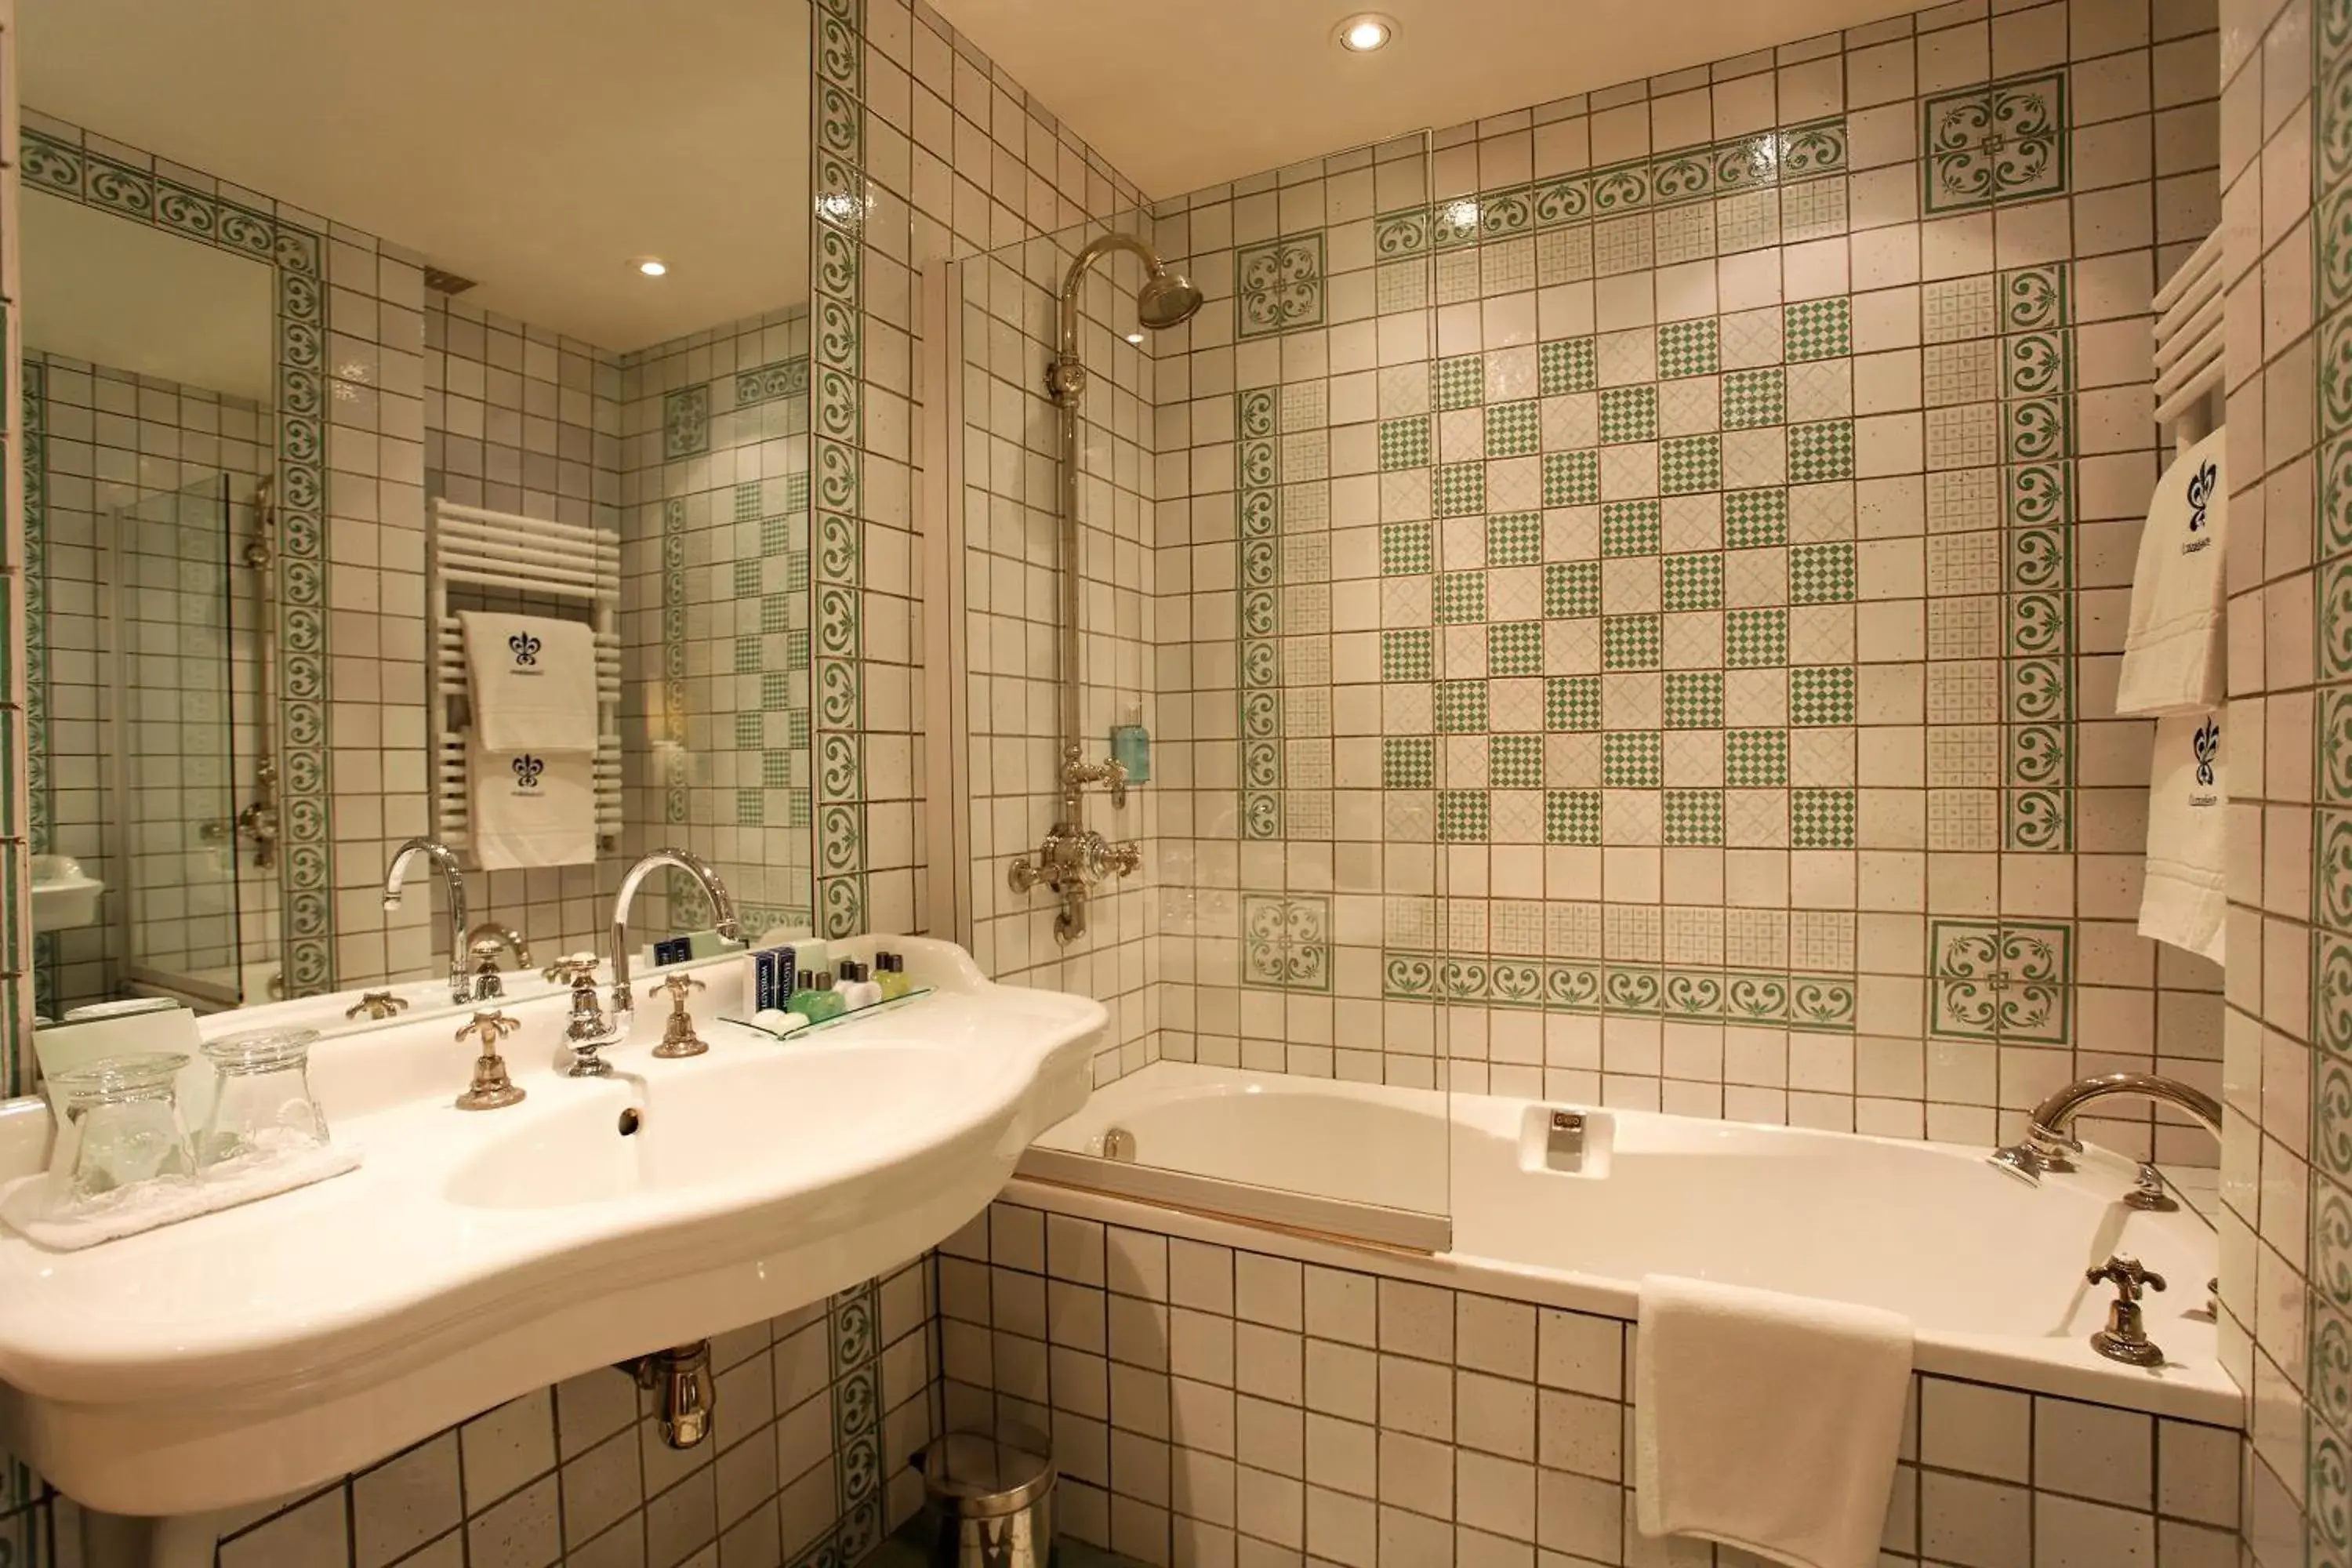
<point x="688" y="1395"/>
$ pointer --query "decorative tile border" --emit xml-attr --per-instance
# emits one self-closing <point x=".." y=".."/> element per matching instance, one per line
<point x="767" y="383"/>
<point x="1257" y="498"/>
<point x="836" y="422"/>
<point x="2012" y="981"/>
<point x="1793" y="155"/>
<point x="40" y="820"/>
<point x="295" y="253"/>
<point x="2036" y="351"/>
<point x="1819" y="1002"/>
<point x="1286" y="941"/>
<point x="2003" y="142"/>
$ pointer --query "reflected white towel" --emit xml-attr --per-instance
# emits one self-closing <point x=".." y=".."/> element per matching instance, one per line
<point x="534" y="680"/>
<point x="2173" y="643"/>
<point x="2184" y="899"/>
<point x="531" y="809"/>
<point x="1767" y="1422"/>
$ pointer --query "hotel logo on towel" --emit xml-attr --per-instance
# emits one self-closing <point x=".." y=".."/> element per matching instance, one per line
<point x="527" y="769"/>
<point x="526" y="651"/>
<point x="2206" y="745"/>
<point x="2201" y="485"/>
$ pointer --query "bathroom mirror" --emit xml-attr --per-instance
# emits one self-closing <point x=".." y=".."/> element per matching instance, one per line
<point x="307" y="386"/>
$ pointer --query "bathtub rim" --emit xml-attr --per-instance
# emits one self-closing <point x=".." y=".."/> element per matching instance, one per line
<point x="2189" y="1392"/>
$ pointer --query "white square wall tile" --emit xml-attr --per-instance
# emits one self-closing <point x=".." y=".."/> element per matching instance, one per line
<point x="1581" y="1351"/>
<point x="2093" y="1451"/>
<point x="1970" y="1426"/>
<point x="1495" y="1336"/>
<point x="1416" y="1319"/>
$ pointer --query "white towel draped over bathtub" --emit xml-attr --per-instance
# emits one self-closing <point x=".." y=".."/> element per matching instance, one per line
<point x="2172" y="642"/>
<point x="1767" y="1422"/>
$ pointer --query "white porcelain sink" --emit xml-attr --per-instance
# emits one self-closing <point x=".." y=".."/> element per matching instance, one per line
<point x="64" y="895"/>
<point x="477" y="1255"/>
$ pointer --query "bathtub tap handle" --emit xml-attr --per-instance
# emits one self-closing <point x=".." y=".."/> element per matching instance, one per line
<point x="2125" y="1339"/>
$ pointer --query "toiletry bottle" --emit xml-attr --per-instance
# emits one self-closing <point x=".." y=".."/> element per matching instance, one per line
<point x="861" y="992"/>
<point x="890" y="974"/>
<point x="819" y="1001"/>
<point x="1130" y="743"/>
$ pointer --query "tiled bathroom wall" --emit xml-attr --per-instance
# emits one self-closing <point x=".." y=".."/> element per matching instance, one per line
<point x="715" y="608"/>
<point x="104" y="443"/>
<point x="522" y="420"/>
<point x="1691" y="544"/>
<point x="1212" y="1406"/>
<point x="1009" y="529"/>
<point x="2287" y="158"/>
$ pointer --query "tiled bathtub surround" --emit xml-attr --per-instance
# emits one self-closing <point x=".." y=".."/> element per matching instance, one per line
<point x="1213" y="1405"/>
<point x="1709" y="633"/>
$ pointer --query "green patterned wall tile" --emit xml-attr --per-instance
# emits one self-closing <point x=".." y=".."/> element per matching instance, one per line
<point x="1278" y="286"/>
<point x="2003" y="142"/>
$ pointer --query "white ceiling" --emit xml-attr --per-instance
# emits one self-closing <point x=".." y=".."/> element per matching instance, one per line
<point x="1178" y="97"/>
<point x="532" y="146"/>
<point x="141" y="299"/>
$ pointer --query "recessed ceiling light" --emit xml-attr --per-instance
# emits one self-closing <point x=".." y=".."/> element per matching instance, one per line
<point x="651" y="265"/>
<point x="1363" y="34"/>
<point x="1135" y="337"/>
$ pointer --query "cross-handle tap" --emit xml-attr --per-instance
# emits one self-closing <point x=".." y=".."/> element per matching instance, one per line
<point x="377" y="1005"/>
<point x="482" y="945"/>
<point x="678" y="1038"/>
<point x="1077" y="774"/>
<point x="586" y="1063"/>
<point x="567" y="970"/>
<point x="2125" y="1339"/>
<point x="491" y="1088"/>
<point x="587" y="1033"/>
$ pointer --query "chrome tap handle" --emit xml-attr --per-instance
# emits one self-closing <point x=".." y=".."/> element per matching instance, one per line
<point x="678" y="985"/>
<point x="2124" y="1272"/>
<point x="491" y="1088"/>
<point x="678" y="1038"/>
<point x="1024" y="875"/>
<point x="570" y="968"/>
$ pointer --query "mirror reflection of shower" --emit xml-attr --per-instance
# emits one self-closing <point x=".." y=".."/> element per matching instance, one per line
<point x="1073" y="860"/>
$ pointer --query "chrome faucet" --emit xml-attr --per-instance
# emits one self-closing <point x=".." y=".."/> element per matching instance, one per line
<point x="2050" y="1138"/>
<point x="461" y="986"/>
<point x="587" y="1041"/>
<point x="482" y="945"/>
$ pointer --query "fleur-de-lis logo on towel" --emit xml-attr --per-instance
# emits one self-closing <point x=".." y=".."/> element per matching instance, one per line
<point x="526" y="648"/>
<point x="2200" y="493"/>
<point x="527" y="769"/>
<point x="2207" y="746"/>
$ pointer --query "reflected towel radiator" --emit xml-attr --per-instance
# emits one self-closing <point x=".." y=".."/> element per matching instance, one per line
<point x="563" y="569"/>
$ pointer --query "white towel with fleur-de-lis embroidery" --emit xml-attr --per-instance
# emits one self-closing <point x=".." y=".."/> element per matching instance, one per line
<point x="2184" y="899"/>
<point x="2173" y="643"/>
<point x="532" y="679"/>
<point x="532" y="808"/>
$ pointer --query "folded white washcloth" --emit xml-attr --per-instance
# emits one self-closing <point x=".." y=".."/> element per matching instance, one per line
<point x="145" y="1206"/>
<point x="534" y="680"/>
<point x="2173" y="643"/>
<point x="1767" y="1422"/>
<point x="2185" y="897"/>
<point x="532" y="808"/>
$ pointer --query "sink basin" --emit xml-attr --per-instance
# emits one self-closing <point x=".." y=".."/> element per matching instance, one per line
<point x="477" y="1255"/>
<point x="64" y="895"/>
<point x="675" y="1134"/>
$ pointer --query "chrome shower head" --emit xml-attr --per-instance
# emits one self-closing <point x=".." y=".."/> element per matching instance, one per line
<point x="1167" y="299"/>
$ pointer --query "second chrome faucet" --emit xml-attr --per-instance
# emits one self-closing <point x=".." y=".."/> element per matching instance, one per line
<point x="592" y="1031"/>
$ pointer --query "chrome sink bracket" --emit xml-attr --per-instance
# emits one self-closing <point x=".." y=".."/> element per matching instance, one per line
<point x="491" y="1088"/>
<point x="689" y="1396"/>
<point x="678" y="1038"/>
<point x="2125" y="1339"/>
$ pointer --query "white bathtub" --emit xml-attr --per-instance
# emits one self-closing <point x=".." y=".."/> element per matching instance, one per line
<point x="1989" y="1270"/>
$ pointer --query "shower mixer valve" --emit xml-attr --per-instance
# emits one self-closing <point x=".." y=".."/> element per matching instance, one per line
<point x="1076" y="775"/>
<point x="1071" y="863"/>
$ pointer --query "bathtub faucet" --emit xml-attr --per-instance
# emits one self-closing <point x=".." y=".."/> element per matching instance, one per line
<point x="2049" y="1137"/>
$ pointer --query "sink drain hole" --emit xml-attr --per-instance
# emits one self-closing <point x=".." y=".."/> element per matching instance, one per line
<point x="631" y="1120"/>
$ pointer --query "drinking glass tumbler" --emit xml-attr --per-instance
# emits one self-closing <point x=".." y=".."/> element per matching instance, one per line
<point x="123" y="1128"/>
<point x="262" y="1105"/>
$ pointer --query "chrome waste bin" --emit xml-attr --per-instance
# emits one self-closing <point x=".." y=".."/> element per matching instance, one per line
<point x="992" y="1494"/>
